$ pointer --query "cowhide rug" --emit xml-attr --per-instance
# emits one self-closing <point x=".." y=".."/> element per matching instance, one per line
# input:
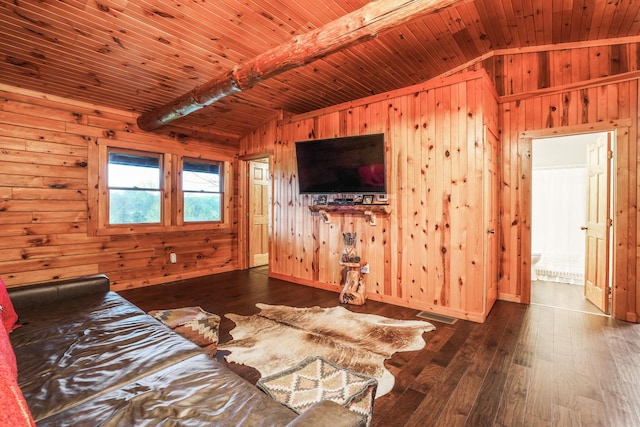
<point x="280" y="337"/>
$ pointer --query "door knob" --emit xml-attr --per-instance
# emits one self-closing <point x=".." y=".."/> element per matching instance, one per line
<point x="583" y="228"/>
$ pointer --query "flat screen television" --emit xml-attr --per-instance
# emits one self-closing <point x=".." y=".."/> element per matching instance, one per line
<point x="347" y="165"/>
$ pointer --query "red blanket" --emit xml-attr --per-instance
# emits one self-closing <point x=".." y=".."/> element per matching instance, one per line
<point x="13" y="408"/>
<point x="9" y="316"/>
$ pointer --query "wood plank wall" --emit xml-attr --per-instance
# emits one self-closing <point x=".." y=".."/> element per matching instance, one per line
<point x="571" y="89"/>
<point x="426" y="254"/>
<point x="43" y="183"/>
<point x="44" y="166"/>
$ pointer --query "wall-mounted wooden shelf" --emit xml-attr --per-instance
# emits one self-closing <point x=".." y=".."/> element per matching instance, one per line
<point x="369" y="211"/>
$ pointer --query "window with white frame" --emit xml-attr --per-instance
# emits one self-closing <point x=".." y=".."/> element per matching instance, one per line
<point x="202" y="190"/>
<point x="135" y="187"/>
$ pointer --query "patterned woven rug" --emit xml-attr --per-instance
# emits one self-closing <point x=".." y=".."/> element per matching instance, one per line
<point x="316" y="379"/>
<point x="194" y="324"/>
<point x="280" y="337"/>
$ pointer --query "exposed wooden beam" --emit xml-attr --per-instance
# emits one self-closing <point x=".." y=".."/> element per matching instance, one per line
<point x="351" y="29"/>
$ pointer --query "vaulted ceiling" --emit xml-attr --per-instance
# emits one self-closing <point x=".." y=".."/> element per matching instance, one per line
<point x="138" y="54"/>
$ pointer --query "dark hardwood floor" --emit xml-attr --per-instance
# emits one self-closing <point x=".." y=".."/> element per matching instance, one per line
<point x="525" y="366"/>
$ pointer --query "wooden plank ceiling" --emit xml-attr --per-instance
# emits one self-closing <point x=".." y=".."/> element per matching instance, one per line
<point x="138" y="54"/>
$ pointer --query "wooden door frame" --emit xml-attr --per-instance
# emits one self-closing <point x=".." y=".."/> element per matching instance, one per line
<point x="620" y="130"/>
<point x="244" y="205"/>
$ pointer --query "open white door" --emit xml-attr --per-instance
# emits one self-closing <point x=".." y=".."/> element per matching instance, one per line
<point x="599" y="222"/>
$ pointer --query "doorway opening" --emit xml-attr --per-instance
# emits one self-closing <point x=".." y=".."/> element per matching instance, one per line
<point x="571" y="203"/>
<point x="259" y="207"/>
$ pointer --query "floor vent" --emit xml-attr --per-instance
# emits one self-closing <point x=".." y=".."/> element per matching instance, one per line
<point x="437" y="317"/>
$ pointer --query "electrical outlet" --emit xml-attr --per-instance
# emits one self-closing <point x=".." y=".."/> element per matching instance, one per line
<point x="173" y="258"/>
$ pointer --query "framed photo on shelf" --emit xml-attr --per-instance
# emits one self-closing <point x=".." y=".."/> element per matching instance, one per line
<point x="320" y="199"/>
<point x="367" y="199"/>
